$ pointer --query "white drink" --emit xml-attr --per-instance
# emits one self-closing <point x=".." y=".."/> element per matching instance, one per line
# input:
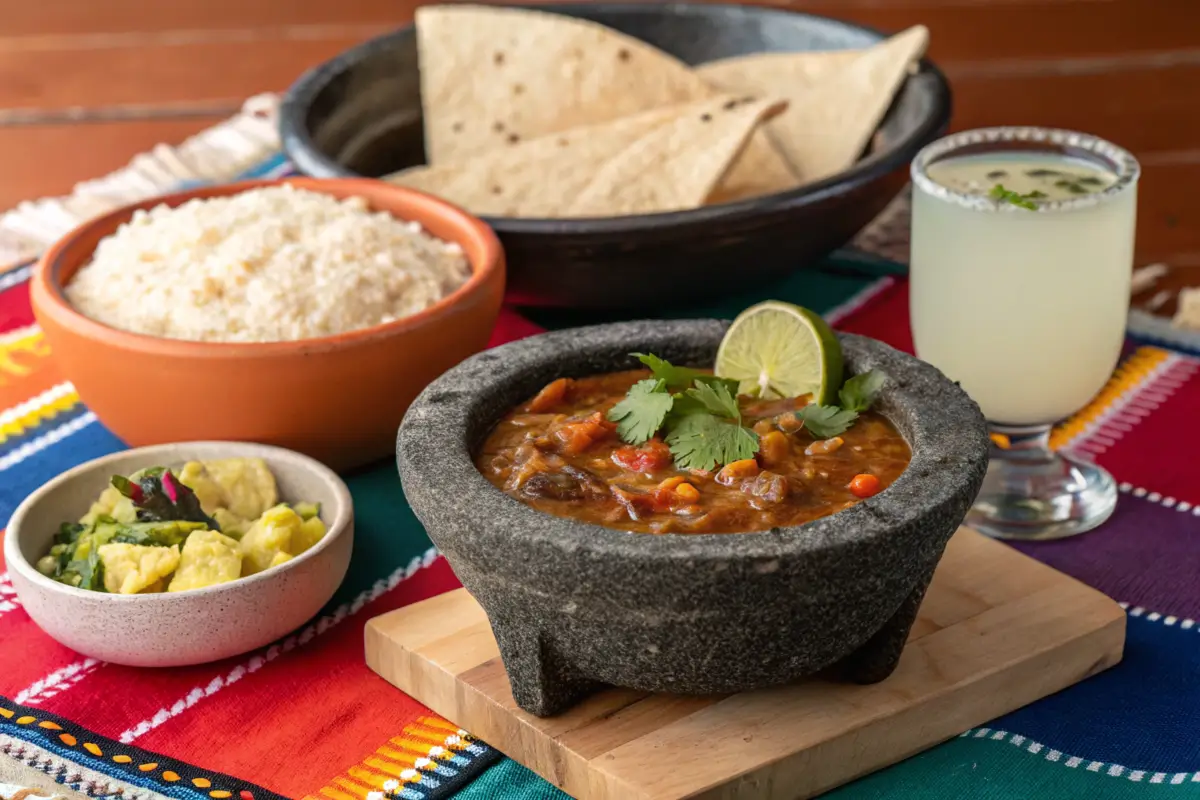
<point x="1025" y="307"/>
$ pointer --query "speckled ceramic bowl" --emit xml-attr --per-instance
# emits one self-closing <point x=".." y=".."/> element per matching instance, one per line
<point x="175" y="629"/>
<point x="576" y="606"/>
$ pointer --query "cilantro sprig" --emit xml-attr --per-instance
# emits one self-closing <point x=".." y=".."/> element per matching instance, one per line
<point x="856" y="395"/>
<point x="998" y="192"/>
<point x="642" y="412"/>
<point x="702" y="423"/>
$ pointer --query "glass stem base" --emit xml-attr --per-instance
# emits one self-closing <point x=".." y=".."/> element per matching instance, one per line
<point x="1032" y="493"/>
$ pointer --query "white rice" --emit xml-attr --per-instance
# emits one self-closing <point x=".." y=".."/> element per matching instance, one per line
<point x="266" y="265"/>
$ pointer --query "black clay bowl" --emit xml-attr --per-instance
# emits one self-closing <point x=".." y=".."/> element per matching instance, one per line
<point x="360" y="114"/>
<point x="576" y="606"/>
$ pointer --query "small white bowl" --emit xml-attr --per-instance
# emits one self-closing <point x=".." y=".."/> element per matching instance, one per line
<point x="180" y="628"/>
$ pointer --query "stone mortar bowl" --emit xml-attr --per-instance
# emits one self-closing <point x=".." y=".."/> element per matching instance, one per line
<point x="577" y="606"/>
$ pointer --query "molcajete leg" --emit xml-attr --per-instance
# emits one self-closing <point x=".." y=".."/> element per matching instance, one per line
<point x="541" y="683"/>
<point x="876" y="659"/>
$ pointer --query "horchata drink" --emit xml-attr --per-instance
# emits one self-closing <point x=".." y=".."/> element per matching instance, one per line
<point x="1022" y="249"/>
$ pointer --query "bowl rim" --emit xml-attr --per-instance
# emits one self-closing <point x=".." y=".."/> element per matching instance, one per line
<point x="471" y="232"/>
<point x="442" y="411"/>
<point x="300" y="148"/>
<point x="342" y="520"/>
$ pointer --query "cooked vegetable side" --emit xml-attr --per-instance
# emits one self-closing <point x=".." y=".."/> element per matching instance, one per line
<point x="677" y="450"/>
<point x="209" y="522"/>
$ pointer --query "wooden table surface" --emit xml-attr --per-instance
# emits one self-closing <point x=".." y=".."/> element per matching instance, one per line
<point x="84" y="85"/>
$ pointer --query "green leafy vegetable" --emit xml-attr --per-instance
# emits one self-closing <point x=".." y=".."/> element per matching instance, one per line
<point x="642" y="412"/>
<point x="702" y="441"/>
<point x="998" y="192"/>
<point x="159" y="496"/>
<point x="69" y="532"/>
<point x="859" y="392"/>
<point x="90" y="571"/>
<point x="824" y="422"/>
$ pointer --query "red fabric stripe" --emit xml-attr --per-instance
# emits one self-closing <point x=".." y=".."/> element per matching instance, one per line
<point x="39" y="654"/>
<point x="15" y="311"/>
<point x="512" y="326"/>
<point x="884" y="317"/>
<point x="322" y="694"/>
<point x="1143" y="456"/>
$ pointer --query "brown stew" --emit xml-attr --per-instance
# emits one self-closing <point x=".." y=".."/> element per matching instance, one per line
<point x="559" y="454"/>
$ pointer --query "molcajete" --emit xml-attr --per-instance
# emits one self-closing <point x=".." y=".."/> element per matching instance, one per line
<point x="576" y="606"/>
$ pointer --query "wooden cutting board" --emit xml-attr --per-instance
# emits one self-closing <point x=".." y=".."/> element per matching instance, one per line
<point x="997" y="631"/>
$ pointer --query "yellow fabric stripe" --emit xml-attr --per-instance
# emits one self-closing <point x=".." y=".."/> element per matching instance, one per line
<point x="36" y="415"/>
<point x="1133" y="371"/>
<point x="393" y="757"/>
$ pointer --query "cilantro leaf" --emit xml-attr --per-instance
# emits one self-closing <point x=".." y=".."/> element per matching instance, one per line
<point x="998" y="192"/>
<point x="859" y="392"/>
<point x="702" y="441"/>
<point x="716" y="398"/>
<point x="667" y="372"/>
<point x="826" y="421"/>
<point x="642" y="412"/>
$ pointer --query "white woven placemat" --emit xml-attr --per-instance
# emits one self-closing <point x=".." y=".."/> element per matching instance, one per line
<point x="217" y="154"/>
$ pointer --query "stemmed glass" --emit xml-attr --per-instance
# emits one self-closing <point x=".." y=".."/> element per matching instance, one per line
<point x="1026" y="308"/>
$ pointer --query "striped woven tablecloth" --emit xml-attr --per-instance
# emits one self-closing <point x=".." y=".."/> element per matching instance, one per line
<point x="305" y="718"/>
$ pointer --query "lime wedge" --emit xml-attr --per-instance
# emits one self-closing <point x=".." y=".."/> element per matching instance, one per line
<point x="777" y="349"/>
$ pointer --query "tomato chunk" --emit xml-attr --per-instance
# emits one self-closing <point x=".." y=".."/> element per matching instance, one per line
<point x="576" y="437"/>
<point x="551" y="395"/>
<point x="865" y="485"/>
<point x="653" y="456"/>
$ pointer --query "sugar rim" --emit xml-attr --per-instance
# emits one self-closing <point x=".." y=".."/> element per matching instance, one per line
<point x="1119" y="161"/>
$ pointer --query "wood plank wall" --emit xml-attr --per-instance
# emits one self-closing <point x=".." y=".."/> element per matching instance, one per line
<point x="84" y="85"/>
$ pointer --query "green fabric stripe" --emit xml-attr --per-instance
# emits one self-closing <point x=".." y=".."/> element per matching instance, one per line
<point x="984" y="769"/>
<point x="387" y="534"/>
<point x="819" y="290"/>
<point x="508" y="780"/>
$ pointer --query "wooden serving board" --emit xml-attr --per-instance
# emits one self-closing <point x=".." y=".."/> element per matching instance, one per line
<point x="997" y="630"/>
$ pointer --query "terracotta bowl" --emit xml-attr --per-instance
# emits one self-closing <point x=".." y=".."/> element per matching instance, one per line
<point x="175" y="629"/>
<point x="337" y="398"/>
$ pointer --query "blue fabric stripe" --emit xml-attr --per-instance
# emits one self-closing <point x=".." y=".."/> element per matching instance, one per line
<point x="1141" y="712"/>
<point x="17" y="482"/>
<point x="180" y="789"/>
<point x="44" y="426"/>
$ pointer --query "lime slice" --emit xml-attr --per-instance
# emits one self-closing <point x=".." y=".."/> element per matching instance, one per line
<point x="777" y="349"/>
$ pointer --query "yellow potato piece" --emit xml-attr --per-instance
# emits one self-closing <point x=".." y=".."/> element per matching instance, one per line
<point x="209" y="492"/>
<point x="248" y="483"/>
<point x="280" y="531"/>
<point x="231" y="524"/>
<point x="208" y="558"/>
<point x="130" y="568"/>
<point x="311" y="531"/>
<point x="110" y="503"/>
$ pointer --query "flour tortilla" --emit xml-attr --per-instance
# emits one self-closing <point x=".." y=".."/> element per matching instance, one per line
<point x="835" y="102"/>
<point x="677" y="165"/>
<point x="787" y="72"/>
<point x="493" y="77"/>
<point x="547" y="176"/>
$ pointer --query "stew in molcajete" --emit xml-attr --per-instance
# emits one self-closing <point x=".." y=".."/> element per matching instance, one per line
<point x="756" y="465"/>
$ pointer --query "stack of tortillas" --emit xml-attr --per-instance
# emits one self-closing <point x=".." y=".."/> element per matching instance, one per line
<point x="534" y="114"/>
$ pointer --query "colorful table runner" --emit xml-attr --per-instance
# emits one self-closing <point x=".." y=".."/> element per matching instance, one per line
<point x="305" y="718"/>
